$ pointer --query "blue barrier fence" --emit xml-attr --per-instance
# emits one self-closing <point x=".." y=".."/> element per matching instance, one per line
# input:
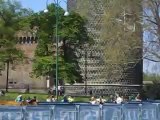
<point x="130" y="111"/>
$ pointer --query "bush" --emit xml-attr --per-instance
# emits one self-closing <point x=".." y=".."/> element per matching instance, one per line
<point x="152" y="91"/>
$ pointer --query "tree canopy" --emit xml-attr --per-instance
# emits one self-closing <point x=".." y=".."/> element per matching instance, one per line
<point x="122" y="36"/>
<point x="11" y="13"/>
<point x="72" y="34"/>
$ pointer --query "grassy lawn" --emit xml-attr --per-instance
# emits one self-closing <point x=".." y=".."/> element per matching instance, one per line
<point x="12" y="96"/>
<point x="40" y="97"/>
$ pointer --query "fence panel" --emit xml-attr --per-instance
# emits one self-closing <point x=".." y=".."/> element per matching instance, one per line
<point x="149" y="111"/>
<point x="65" y="112"/>
<point x="112" y="112"/>
<point x="11" y="113"/>
<point x="37" y="113"/>
<point x="131" y="112"/>
<point x="89" y="112"/>
<point x="158" y="111"/>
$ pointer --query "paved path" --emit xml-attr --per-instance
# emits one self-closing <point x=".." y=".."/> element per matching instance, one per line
<point x="12" y="103"/>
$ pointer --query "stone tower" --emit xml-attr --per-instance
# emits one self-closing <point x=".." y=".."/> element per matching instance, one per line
<point x="92" y="63"/>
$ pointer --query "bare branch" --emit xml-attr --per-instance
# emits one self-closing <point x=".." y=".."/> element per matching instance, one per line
<point x="151" y="59"/>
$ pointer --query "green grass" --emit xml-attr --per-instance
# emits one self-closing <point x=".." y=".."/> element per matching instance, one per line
<point x="82" y="99"/>
<point x="12" y="96"/>
<point x="41" y="97"/>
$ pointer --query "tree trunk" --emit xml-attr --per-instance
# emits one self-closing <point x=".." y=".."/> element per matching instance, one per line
<point x="64" y="49"/>
<point x="7" y="75"/>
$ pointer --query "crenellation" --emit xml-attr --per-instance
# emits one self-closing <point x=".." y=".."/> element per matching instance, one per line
<point x="21" y="74"/>
<point x="27" y="40"/>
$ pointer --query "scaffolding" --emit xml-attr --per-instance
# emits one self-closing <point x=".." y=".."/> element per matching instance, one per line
<point x="92" y="62"/>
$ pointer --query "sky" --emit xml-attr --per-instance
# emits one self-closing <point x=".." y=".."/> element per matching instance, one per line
<point x="38" y="5"/>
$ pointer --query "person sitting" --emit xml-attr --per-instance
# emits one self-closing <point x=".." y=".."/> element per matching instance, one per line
<point x="132" y="97"/>
<point x="119" y="100"/>
<point x="93" y="100"/>
<point x="111" y="99"/>
<point x="65" y="99"/>
<point x="48" y="99"/>
<point x="125" y="99"/>
<point x="2" y="93"/>
<point x="34" y="101"/>
<point x="19" y="99"/>
<point x="101" y="100"/>
<point x="53" y="99"/>
<point x="28" y="100"/>
<point x="70" y="99"/>
<point x="138" y="97"/>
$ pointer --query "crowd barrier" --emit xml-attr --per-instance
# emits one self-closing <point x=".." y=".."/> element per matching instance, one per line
<point x="79" y="111"/>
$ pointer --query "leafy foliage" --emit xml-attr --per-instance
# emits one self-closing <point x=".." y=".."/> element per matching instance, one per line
<point x="72" y="34"/>
<point x="121" y="35"/>
<point x="152" y="91"/>
<point x="151" y="77"/>
<point x="10" y="15"/>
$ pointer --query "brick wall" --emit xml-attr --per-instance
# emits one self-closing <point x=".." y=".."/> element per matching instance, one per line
<point x="19" y="75"/>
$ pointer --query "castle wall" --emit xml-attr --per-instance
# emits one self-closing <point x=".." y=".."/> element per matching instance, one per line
<point x="20" y="74"/>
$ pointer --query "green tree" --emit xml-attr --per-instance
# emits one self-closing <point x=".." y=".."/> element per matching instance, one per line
<point x="151" y="77"/>
<point x="122" y="36"/>
<point x="72" y="34"/>
<point x="10" y="15"/>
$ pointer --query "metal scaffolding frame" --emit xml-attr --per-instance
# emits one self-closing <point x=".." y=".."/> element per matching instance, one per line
<point x="96" y="66"/>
